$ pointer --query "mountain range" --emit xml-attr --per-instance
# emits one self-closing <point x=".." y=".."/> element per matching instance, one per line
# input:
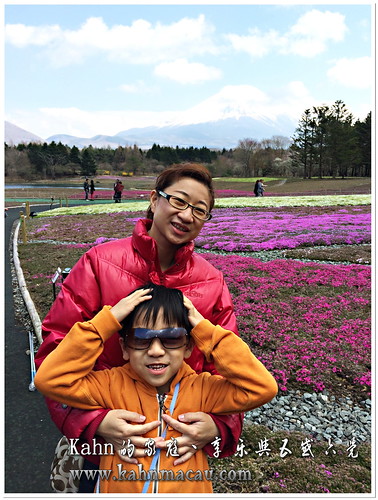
<point x="218" y="134"/>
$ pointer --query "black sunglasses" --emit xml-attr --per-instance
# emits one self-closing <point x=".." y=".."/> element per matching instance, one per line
<point x="171" y="338"/>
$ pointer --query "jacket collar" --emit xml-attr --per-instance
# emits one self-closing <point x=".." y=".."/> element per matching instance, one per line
<point x="147" y="248"/>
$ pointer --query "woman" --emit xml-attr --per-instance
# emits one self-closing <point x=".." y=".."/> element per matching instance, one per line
<point x="92" y="189"/>
<point x="118" y="191"/>
<point x="160" y="250"/>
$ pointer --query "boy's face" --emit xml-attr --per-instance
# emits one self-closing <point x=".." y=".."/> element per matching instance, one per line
<point x="156" y="365"/>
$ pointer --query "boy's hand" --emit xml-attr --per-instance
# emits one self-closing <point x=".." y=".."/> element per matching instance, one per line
<point x="126" y="305"/>
<point x="197" y="428"/>
<point x="193" y="315"/>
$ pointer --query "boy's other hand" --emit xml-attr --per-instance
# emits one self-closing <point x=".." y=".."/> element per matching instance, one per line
<point x="198" y="430"/>
<point x="193" y="315"/>
<point x="126" y="305"/>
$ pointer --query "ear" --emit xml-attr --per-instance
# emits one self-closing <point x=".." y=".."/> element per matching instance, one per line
<point x="125" y="352"/>
<point x="189" y="348"/>
<point x="153" y="200"/>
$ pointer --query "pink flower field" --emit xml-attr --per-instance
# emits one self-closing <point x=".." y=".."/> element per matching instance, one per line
<point x="309" y="323"/>
<point x="248" y="229"/>
<point x="132" y="194"/>
<point x="107" y="194"/>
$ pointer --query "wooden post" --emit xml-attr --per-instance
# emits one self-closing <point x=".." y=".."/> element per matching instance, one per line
<point x="66" y="201"/>
<point x="28" y="209"/>
<point x="23" y="229"/>
<point x="60" y="202"/>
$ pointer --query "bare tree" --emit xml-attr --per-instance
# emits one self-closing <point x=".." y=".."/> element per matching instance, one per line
<point x="244" y="153"/>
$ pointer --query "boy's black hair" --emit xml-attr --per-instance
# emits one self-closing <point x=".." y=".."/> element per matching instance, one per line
<point x="167" y="300"/>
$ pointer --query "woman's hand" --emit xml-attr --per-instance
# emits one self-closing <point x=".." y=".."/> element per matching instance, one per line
<point x="117" y="429"/>
<point x="197" y="428"/>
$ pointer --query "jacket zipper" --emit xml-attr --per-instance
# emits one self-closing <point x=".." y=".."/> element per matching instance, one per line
<point x="161" y="400"/>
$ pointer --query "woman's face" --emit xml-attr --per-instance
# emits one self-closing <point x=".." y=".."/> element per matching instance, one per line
<point x="171" y="225"/>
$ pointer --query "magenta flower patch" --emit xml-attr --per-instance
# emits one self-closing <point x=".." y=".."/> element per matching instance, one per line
<point x="250" y="230"/>
<point x="308" y="323"/>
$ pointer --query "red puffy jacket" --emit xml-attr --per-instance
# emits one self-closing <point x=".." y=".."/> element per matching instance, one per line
<point x="109" y="272"/>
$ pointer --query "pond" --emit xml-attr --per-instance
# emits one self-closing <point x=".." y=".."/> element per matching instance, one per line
<point x="46" y="186"/>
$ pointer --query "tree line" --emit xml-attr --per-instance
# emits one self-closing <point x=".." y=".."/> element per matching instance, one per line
<point x="327" y="142"/>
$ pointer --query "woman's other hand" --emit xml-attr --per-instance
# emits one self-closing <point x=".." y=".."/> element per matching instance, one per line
<point x="197" y="428"/>
<point x="119" y="426"/>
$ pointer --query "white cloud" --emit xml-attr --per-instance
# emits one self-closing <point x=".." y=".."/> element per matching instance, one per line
<point x="256" y="44"/>
<point x="139" y="43"/>
<point x="81" y="123"/>
<point x="129" y="88"/>
<point x="138" y="87"/>
<point x="20" y="35"/>
<point x="353" y="73"/>
<point x="321" y="26"/>
<point x="308" y="37"/>
<point x="184" y="72"/>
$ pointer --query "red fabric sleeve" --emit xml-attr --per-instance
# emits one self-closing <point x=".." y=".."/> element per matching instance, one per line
<point x="74" y="303"/>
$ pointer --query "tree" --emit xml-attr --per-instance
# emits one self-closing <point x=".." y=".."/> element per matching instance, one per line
<point x="300" y="149"/>
<point x="341" y="145"/>
<point x="363" y="145"/>
<point x="244" y="153"/>
<point x="326" y="142"/>
<point x="74" y="155"/>
<point x="88" y="164"/>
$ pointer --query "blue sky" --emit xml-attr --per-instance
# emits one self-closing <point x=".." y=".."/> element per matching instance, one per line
<point x="99" y="69"/>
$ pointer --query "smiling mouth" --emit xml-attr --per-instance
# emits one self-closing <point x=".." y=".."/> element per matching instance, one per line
<point x="156" y="367"/>
<point x="180" y="227"/>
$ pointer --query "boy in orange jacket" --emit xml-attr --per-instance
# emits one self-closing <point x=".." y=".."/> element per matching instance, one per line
<point x="154" y="324"/>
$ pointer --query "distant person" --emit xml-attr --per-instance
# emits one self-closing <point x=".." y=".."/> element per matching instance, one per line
<point x="92" y="189"/>
<point x="86" y="189"/>
<point x="118" y="191"/>
<point x="115" y="188"/>
<point x="260" y="187"/>
<point x="255" y="189"/>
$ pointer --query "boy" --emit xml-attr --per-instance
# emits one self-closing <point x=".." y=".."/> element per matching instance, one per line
<point x="155" y="341"/>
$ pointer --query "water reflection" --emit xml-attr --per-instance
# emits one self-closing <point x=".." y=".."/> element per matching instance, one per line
<point x="46" y="186"/>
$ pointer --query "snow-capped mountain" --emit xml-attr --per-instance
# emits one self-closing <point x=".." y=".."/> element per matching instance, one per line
<point x="218" y="134"/>
<point x="14" y="135"/>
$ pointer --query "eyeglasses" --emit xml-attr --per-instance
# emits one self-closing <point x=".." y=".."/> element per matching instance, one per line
<point x="199" y="213"/>
<point x="171" y="338"/>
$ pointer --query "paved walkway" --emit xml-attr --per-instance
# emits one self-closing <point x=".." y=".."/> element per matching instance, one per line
<point x="30" y="435"/>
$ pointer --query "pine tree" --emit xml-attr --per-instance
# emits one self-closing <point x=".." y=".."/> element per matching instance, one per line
<point x="88" y="164"/>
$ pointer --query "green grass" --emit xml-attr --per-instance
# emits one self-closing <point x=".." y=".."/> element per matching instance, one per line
<point x="324" y="472"/>
<point x="244" y="179"/>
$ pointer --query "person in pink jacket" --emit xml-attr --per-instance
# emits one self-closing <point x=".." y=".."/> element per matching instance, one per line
<point x="160" y="250"/>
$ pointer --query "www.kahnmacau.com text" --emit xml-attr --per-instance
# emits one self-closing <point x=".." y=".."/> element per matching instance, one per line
<point x="122" y="474"/>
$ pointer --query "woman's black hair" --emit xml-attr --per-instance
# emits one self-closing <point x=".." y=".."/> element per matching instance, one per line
<point x="169" y="301"/>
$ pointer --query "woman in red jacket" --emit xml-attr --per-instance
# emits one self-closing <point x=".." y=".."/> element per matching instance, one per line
<point x="160" y="250"/>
